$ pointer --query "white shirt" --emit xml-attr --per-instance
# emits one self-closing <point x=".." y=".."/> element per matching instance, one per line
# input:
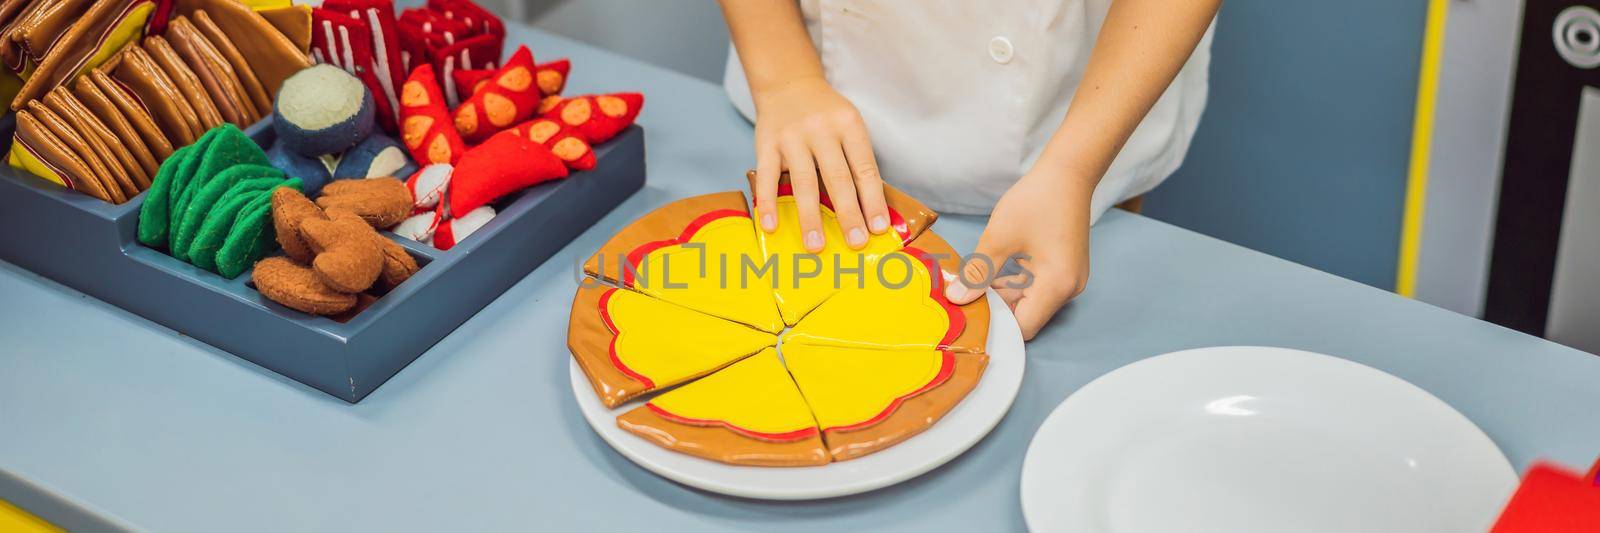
<point x="960" y="96"/>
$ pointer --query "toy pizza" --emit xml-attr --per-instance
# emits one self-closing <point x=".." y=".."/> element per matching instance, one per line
<point x="747" y="350"/>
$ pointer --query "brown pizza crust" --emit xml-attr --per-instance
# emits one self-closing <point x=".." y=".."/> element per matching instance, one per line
<point x="975" y="337"/>
<point x="918" y="217"/>
<point x="721" y="444"/>
<point x="914" y="415"/>
<point x="666" y="222"/>
<point x="590" y="342"/>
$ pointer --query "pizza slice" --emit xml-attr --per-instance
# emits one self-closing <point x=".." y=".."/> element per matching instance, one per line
<point x="699" y="252"/>
<point x="749" y="413"/>
<point x="900" y="304"/>
<point x="629" y="344"/>
<point x="810" y="278"/>
<point x="866" y="400"/>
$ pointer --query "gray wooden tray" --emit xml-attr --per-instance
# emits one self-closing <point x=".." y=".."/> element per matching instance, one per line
<point x="90" y="246"/>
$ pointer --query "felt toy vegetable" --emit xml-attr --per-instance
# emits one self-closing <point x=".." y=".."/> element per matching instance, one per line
<point x="312" y="171"/>
<point x="289" y="209"/>
<point x="419" y="226"/>
<point x="249" y="239"/>
<point x="205" y="199"/>
<point x="572" y="150"/>
<point x="482" y="51"/>
<point x="384" y="64"/>
<point x="509" y="97"/>
<point x="347" y="259"/>
<point x="453" y="231"/>
<point x="345" y="42"/>
<point x="597" y="118"/>
<point x="552" y="77"/>
<point x="428" y="185"/>
<point x="503" y="164"/>
<point x="377" y="155"/>
<point x="225" y="146"/>
<point x="154" y="213"/>
<point x="214" y="229"/>
<point x="381" y="202"/>
<point x="477" y="19"/>
<point x="322" y="110"/>
<point x="425" y="124"/>
<point x="298" y="287"/>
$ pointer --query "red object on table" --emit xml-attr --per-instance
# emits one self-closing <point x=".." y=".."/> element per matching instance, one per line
<point x="504" y="164"/>
<point x="509" y="97"/>
<point x="383" y="65"/>
<point x="1552" y="500"/>
<point x="597" y="118"/>
<point x="425" y="125"/>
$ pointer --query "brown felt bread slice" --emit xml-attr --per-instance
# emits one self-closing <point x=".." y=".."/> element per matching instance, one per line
<point x="150" y="87"/>
<point x="974" y="337"/>
<point x="913" y="416"/>
<point x="666" y="222"/>
<point x="129" y="175"/>
<point x="258" y="97"/>
<point x="99" y="167"/>
<point x="138" y="116"/>
<point x="97" y="105"/>
<point x="71" y="53"/>
<point x="184" y="78"/>
<point x="271" y="55"/>
<point x="49" y="150"/>
<point x="216" y="75"/>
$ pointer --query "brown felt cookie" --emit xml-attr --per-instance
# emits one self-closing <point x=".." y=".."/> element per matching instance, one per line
<point x="382" y="202"/>
<point x="298" y="287"/>
<point x="289" y="209"/>
<point x="398" y="265"/>
<point x="348" y="258"/>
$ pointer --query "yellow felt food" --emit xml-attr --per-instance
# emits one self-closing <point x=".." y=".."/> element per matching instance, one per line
<point x="895" y="309"/>
<point x="850" y="386"/>
<point x="754" y="394"/>
<point x="713" y="279"/>
<point x="798" y="295"/>
<point x="668" y="343"/>
<point x="21" y="158"/>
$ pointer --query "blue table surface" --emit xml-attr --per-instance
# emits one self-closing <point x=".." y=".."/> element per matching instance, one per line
<point x="109" y="421"/>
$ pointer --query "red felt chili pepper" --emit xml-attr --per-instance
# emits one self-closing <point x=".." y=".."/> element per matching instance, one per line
<point x="509" y="97"/>
<point x="597" y="118"/>
<point x="425" y="126"/>
<point x="503" y="164"/>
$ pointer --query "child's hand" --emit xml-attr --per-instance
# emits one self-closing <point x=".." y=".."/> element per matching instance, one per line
<point x="1042" y="220"/>
<point x="808" y="129"/>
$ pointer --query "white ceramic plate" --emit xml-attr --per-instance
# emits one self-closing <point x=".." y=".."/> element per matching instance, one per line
<point x="962" y="427"/>
<point x="1243" y="439"/>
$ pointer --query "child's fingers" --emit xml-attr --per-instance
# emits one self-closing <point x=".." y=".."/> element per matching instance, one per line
<point x="842" y="191"/>
<point x="769" y="164"/>
<point x="869" y="185"/>
<point x="803" y="179"/>
<point x="981" y="268"/>
<point x="1034" y="310"/>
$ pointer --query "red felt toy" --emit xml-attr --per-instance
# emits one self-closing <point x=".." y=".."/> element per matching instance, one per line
<point x="1551" y="500"/>
<point x="510" y="98"/>
<point x="346" y="42"/>
<point x="452" y="231"/>
<point x="384" y="64"/>
<point x="552" y="76"/>
<point x="422" y="31"/>
<point x="572" y="150"/>
<point x="477" y="52"/>
<point x="501" y="165"/>
<point x="470" y="80"/>
<point x="477" y="19"/>
<point x="425" y="125"/>
<point x="597" y="119"/>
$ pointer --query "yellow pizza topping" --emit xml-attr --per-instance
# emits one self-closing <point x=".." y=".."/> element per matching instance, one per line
<point x="808" y="278"/>
<point x="754" y="396"/>
<point x="848" y="388"/>
<point x="899" y="306"/>
<point x="666" y="344"/>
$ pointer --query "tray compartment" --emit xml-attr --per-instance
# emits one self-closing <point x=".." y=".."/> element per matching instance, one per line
<point x="91" y="246"/>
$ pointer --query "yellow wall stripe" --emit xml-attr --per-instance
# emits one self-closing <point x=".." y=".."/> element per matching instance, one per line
<point x="14" y="520"/>
<point x="1405" y="282"/>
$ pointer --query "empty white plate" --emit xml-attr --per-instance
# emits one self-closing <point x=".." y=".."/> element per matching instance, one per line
<point x="1243" y="439"/>
<point x="962" y="427"/>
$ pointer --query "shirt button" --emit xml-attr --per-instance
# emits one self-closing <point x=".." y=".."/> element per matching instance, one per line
<point x="1000" y="50"/>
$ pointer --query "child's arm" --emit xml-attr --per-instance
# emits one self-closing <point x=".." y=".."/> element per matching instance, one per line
<point x="1045" y="215"/>
<point x="804" y="126"/>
